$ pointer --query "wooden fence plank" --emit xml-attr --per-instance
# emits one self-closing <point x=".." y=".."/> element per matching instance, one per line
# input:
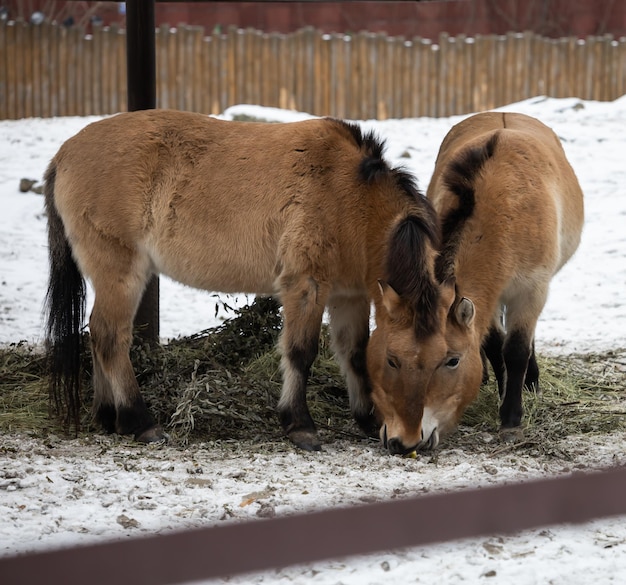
<point x="619" y="68"/>
<point x="222" y="72"/>
<point x="170" y="80"/>
<point x="28" y="56"/>
<point x="4" y="82"/>
<point x="180" y="71"/>
<point x="20" y="74"/>
<point x="407" y="81"/>
<point x="383" y="75"/>
<point x="122" y="80"/>
<point x="75" y="38"/>
<point x="98" y="106"/>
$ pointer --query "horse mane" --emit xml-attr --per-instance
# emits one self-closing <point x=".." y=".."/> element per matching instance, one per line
<point x="408" y="266"/>
<point x="408" y="263"/>
<point x="373" y="166"/>
<point x="459" y="178"/>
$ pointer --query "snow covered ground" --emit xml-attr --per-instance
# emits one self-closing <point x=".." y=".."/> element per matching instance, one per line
<point x="55" y="492"/>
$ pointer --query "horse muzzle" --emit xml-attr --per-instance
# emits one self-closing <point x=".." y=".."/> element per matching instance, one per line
<point x="394" y="445"/>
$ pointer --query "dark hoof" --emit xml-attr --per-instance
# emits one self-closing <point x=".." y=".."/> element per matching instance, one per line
<point x="154" y="434"/>
<point x="305" y="440"/>
<point x="512" y="435"/>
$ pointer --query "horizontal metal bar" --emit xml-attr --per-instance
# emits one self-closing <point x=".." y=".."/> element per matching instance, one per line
<point x="263" y="544"/>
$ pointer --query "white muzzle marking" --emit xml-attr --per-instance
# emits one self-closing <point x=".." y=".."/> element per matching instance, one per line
<point x="430" y="434"/>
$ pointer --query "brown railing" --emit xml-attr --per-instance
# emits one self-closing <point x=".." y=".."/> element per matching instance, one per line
<point x="49" y="70"/>
<point x="231" y="549"/>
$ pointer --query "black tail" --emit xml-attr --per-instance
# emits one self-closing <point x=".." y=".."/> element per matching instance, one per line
<point x="459" y="178"/>
<point x="65" y="307"/>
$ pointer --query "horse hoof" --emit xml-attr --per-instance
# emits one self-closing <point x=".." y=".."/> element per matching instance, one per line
<point x="305" y="440"/>
<point x="154" y="434"/>
<point x="511" y="435"/>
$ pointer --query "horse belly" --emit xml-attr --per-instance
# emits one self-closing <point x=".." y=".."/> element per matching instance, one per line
<point x="210" y="266"/>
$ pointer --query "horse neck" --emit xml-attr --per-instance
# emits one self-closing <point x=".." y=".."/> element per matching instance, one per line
<point x="482" y="287"/>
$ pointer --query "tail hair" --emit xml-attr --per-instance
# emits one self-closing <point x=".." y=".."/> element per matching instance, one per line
<point x="65" y="304"/>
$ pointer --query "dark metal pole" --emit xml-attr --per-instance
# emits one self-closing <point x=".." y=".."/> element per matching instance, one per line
<point x="141" y="83"/>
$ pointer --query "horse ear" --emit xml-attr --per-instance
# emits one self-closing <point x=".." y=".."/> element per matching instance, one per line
<point x="465" y="312"/>
<point x="391" y="299"/>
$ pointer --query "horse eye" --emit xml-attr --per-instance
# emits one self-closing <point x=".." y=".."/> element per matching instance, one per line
<point x="392" y="362"/>
<point x="453" y="363"/>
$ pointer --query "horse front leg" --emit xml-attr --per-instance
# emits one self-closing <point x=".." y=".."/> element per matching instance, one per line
<point x="349" y="326"/>
<point x="303" y="307"/>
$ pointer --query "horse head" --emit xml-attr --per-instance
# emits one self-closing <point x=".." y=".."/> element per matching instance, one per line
<point x="422" y="378"/>
<point x="453" y="387"/>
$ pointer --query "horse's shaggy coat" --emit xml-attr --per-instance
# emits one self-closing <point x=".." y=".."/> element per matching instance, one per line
<point x="309" y="211"/>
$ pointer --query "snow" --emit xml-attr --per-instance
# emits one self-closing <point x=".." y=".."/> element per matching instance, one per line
<point x="55" y="492"/>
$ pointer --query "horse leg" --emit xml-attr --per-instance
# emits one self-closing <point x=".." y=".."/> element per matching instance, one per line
<point x="521" y="320"/>
<point x="118" y="404"/>
<point x="532" y="373"/>
<point x="103" y="408"/>
<point x="303" y="303"/>
<point x="493" y="347"/>
<point x="349" y="327"/>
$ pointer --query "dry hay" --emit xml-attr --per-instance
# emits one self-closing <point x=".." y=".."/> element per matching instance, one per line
<point x="222" y="384"/>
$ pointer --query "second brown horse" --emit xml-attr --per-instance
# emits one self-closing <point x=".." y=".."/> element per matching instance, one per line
<point x="511" y="213"/>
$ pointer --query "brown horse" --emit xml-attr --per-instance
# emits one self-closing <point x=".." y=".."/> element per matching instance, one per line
<point x="511" y="213"/>
<point x="309" y="211"/>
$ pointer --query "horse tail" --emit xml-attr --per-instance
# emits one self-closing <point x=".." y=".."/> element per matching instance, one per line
<point x="459" y="179"/>
<point x="65" y="311"/>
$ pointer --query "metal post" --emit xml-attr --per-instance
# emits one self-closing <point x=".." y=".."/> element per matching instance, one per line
<point x="141" y="87"/>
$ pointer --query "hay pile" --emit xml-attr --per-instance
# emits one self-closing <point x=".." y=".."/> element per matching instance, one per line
<point x="223" y="384"/>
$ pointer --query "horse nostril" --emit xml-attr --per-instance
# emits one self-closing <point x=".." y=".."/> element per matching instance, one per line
<point x="395" y="446"/>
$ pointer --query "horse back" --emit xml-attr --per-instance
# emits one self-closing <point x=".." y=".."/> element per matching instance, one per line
<point x="220" y="205"/>
<point x="510" y="203"/>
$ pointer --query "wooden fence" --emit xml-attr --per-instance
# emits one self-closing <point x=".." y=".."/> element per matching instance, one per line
<point x="50" y="70"/>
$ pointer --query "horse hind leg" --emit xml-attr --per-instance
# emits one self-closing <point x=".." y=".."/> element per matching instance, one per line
<point x="118" y="404"/>
<point x="349" y="327"/>
<point x="531" y="381"/>
<point x="519" y="355"/>
<point x="493" y="347"/>
<point x="303" y="303"/>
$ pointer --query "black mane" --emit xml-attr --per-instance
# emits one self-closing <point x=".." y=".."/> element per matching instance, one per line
<point x="408" y="269"/>
<point x="459" y="178"/>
